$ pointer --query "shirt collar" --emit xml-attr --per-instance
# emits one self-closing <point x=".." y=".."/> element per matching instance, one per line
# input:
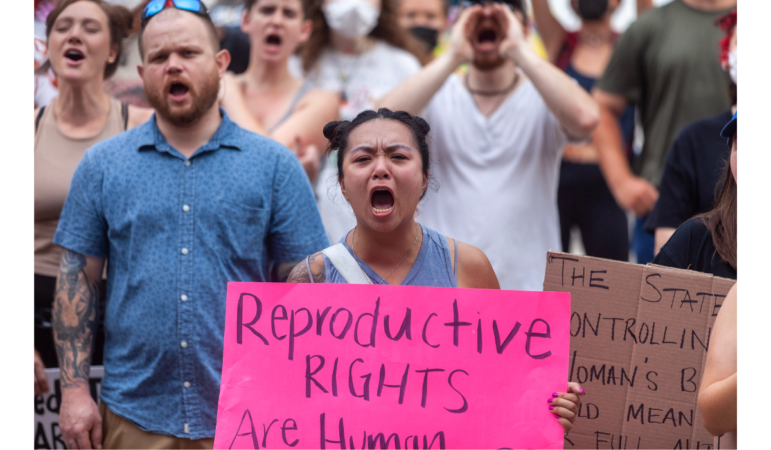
<point x="226" y="136"/>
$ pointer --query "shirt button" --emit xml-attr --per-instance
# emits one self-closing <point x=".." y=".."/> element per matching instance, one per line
<point x="187" y="164"/>
<point x="186" y="208"/>
<point x="184" y="297"/>
<point x="184" y="251"/>
<point x="187" y="428"/>
<point x="187" y="384"/>
<point x="184" y="344"/>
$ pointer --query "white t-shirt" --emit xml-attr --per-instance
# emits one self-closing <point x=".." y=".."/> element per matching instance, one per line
<point x="364" y="78"/>
<point x="498" y="179"/>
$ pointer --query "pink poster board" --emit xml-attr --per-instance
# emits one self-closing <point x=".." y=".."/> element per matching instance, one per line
<point x="391" y="366"/>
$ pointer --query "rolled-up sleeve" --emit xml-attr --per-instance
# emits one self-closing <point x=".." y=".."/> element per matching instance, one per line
<point x="296" y="230"/>
<point x="82" y="227"/>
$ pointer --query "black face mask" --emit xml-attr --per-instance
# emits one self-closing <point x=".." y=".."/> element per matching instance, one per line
<point x="428" y="35"/>
<point x="592" y="9"/>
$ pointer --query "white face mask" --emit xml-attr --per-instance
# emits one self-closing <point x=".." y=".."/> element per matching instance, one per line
<point x="732" y="56"/>
<point x="351" y="18"/>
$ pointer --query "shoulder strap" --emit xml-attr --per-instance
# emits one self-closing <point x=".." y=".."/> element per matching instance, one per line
<point x="456" y="257"/>
<point x="346" y="265"/>
<point x="308" y="268"/>
<point x="300" y="94"/>
<point x="566" y="52"/>
<point x="39" y="116"/>
<point x="124" y="110"/>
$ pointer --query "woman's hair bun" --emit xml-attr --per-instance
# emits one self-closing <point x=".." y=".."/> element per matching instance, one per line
<point x="331" y="128"/>
<point x="422" y="124"/>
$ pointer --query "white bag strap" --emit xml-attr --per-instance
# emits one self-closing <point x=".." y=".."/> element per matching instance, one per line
<point x="346" y="265"/>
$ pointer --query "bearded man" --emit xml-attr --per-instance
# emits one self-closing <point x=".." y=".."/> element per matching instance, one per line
<point x="498" y="135"/>
<point x="181" y="205"/>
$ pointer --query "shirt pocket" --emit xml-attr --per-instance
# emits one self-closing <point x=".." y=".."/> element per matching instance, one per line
<point x="243" y="229"/>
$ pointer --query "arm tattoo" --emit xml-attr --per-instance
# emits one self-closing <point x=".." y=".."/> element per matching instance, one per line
<point x="300" y="272"/>
<point x="74" y="318"/>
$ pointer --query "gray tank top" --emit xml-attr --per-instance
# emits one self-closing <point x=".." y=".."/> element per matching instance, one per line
<point x="300" y="94"/>
<point x="433" y="266"/>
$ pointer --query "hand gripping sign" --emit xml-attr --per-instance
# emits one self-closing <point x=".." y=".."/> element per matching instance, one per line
<point x="355" y="366"/>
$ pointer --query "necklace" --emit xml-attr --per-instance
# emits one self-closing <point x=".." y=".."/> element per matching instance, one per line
<point x="353" y="242"/>
<point x="595" y="40"/>
<point x="491" y="93"/>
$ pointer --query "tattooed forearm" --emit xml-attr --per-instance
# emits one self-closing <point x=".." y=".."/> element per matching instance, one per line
<point x="284" y="270"/>
<point x="74" y="317"/>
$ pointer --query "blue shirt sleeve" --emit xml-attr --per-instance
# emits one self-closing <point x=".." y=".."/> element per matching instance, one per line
<point x="296" y="230"/>
<point x="82" y="227"/>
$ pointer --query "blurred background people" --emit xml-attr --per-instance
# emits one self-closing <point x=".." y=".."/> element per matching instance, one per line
<point x="499" y="131"/>
<point x="695" y="163"/>
<point x="707" y="243"/>
<point x="667" y="64"/>
<point x="583" y="198"/>
<point x="45" y="83"/>
<point x="719" y="384"/>
<point x="84" y="44"/>
<point x="427" y="20"/>
<point x="359" y="51"/>
<point x="267" y="99"/>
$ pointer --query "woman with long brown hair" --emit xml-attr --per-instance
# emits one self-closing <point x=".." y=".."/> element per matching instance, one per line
<point x="359" y="51"/>
<point x="84" y="42"/>
<point x="707" y="243"/>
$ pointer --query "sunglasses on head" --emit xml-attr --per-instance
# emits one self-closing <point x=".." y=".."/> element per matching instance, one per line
<point x="470" y="3"/>
<point x="156" y="6"/>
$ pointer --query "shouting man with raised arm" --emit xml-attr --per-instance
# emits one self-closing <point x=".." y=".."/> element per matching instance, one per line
<point x="181" y="206"/>
<point x="498" y="133"/>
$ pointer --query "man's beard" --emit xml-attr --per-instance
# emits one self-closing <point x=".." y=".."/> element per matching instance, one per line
<point x="203" y="97"/>
<point x="487" y="62"/>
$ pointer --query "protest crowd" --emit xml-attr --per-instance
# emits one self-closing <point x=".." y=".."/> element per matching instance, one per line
<point x="184" y="144"/>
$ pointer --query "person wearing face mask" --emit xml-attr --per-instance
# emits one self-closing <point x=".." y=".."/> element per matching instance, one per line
<point x="499" y="131"/>
<point x="267" y="99"/>
<point x="359" y="51"/>
<point x="84" y="40"/>
<point x="383" y="169"/>
<point x="584" y="200"/>
<point x="707" y="243"/>
<point x="694" y="164"/>
<point x="427" y="21"/>
<point x="665" y="63"/>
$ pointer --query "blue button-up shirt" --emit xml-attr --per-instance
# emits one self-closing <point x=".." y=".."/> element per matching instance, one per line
<point x="176" y="231"/>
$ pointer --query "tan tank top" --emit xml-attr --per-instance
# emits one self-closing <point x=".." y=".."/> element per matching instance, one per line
<point x="56" y="157"/>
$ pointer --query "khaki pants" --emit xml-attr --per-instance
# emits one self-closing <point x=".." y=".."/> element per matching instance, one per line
<point x="118" y="432"/>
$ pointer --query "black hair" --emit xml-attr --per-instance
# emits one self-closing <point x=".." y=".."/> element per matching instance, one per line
<point x="338" y="132"/>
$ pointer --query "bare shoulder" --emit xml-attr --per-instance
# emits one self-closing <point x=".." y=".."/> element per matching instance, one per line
<point x="323" y="98"/>
<point x="138" y="116"/>
<point x="474" y="269"/>
<point x="300" y="272"/>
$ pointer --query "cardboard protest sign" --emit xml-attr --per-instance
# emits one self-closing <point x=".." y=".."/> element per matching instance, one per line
<point x="354" y="366"/>
<point x="639" y="336"/>
<point x="47" y="431"/>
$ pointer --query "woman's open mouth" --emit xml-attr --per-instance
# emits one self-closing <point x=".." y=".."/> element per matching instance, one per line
<point x="273" y="42"/>
<point x="74" y="56"/>
<point x="382" y="202"/>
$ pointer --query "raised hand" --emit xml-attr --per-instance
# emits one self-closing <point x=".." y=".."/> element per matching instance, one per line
<point x="515" y="38"/>
<point x="41" y="382"/>
<point x="460" y="43"/>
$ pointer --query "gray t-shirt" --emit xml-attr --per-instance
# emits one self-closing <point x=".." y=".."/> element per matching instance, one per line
<point x="667" y="62"/>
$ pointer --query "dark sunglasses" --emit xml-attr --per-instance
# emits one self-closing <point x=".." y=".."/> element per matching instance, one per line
<point x="156" y="6"/>
<point x="469" y="3"/>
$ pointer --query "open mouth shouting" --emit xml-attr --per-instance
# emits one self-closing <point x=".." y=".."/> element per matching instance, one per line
<point x="486" y="38"/>
<point x="382" y="201"/>
<point x="178" y="91"/>
<point x="273" y="42"/>
<point x="74" y="56"/>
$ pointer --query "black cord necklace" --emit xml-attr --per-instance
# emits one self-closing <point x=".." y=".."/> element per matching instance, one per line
<point x="491" y="93"/>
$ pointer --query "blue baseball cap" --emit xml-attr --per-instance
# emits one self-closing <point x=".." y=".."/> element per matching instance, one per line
<point x="730" y="129"/>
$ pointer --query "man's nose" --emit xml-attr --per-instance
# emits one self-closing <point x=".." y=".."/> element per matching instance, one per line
<point x="174" y="63"/>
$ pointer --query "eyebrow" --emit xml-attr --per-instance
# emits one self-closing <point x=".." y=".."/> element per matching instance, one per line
<point x="390" y="148"/>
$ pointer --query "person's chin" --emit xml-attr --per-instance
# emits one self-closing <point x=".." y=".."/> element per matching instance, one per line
<point x="487" y="61"/>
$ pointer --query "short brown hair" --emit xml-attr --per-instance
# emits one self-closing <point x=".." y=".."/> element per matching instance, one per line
<point x="309" y="6"/>
<point x="119" y="20"/>
<point x="210" y="28"/>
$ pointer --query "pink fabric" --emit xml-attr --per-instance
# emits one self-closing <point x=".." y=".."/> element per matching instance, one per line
<point x="264" y="399"/>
